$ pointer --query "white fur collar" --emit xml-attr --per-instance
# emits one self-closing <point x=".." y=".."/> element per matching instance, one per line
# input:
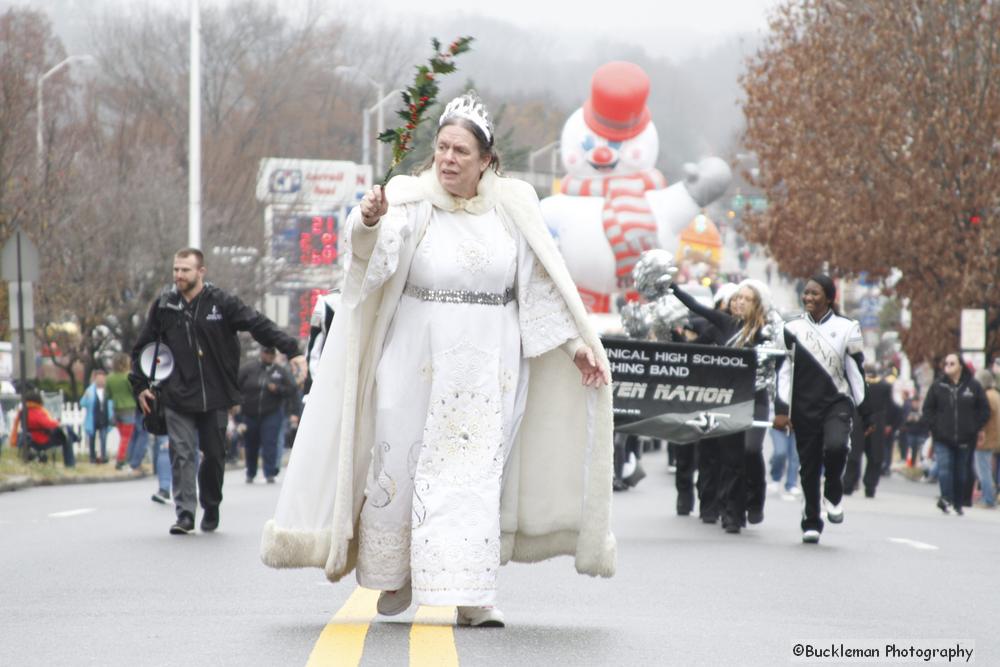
<point x="407" y="189"/>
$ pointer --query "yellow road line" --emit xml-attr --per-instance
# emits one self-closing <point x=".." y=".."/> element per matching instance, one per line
<point x="432" y="640"/>
<point x="343" y="639"/>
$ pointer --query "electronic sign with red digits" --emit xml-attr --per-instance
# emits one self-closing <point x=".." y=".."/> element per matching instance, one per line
<point x="306" y="304"/>
<point x="305" y="239"/>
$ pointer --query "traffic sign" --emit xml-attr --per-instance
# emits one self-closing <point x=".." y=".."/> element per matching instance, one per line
<point x="29" y="259"/>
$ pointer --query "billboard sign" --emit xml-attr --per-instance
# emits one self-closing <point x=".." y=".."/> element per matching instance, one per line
<point x="312" y="182"/>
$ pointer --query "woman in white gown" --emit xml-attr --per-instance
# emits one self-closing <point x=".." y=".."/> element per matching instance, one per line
<point x="451" y="382"/>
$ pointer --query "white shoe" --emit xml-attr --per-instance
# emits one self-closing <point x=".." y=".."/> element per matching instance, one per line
<point x="794" y="491"/>
<point x="480" y="617"/>
<point x="773" y="487"/>
<point x="391" y="603"/>
<point x="834" y="513"/>
<point x="810" y="537"/>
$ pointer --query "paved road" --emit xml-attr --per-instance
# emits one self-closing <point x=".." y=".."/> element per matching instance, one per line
<point x="89" y="575"/>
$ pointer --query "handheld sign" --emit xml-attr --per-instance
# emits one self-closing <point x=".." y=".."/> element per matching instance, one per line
<point x="681" y="392"/>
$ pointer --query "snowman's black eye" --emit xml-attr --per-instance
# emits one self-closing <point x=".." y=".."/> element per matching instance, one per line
<point x="588" y="142"/>
<point x="615" y="144"/>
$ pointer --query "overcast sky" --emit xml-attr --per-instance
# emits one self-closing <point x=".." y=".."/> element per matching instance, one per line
<point x="673" y="28"/>
<point x="613" y="19"/>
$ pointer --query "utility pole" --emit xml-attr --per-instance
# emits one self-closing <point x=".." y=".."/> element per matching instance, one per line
<point x="194" y="129"/>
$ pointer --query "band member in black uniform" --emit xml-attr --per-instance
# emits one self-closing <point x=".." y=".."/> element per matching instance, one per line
<point x="742" y="483"/>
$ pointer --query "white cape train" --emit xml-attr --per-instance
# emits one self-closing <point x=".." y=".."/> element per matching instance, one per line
<point x="557" y="484"/>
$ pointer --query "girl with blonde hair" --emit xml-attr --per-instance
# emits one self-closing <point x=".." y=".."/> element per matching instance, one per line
<point x="742" y="483"/>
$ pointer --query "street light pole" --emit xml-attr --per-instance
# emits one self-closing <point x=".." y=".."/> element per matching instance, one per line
<point x="40" y="111"/>
<point x="366" y="138"/>
<point x="379" y="127"/>
<point x="378" y="107"/>
<point x="194" y="129"/>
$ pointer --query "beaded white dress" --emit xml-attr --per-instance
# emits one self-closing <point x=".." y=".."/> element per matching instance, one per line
<point x="450" y="391"/>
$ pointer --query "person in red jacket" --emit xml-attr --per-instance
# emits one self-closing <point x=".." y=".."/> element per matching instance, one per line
<point x="44" y="430"/>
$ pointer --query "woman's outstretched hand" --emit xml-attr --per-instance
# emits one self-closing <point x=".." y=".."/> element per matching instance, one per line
<point x="373" y="206"/>
<point x="592" y="373"/>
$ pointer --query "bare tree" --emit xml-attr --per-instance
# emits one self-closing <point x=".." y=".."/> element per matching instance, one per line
<point x="876" y="128"/>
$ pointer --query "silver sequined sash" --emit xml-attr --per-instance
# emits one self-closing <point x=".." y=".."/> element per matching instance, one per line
<point x="460" y="296"/>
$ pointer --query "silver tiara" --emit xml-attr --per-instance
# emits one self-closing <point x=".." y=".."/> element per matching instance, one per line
<point x="469" y="107"/>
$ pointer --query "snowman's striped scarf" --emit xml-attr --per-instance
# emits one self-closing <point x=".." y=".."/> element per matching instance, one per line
<point x="628" y="221"/>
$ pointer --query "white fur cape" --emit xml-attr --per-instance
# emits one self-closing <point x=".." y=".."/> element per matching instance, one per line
<point x="557" y="485"/>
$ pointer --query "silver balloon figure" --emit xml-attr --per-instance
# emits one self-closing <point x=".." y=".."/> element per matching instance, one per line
<point x="653" y="273"/>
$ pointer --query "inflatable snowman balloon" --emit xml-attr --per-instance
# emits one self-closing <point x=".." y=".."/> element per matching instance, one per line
<point x="614" y="203"/>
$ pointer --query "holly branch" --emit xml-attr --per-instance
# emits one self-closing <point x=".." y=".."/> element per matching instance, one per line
<point x="418" y="97"/>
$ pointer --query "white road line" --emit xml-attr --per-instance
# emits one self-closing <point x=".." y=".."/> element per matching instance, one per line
<point x="913" y="543"/>
<point x="69" y="513"/>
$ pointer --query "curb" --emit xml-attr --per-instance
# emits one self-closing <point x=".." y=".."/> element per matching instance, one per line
<point x="18" y="482"/>
<point x="24" y="482"/>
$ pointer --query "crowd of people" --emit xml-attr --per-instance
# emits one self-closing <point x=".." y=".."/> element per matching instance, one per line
<point x="837" y="425"/>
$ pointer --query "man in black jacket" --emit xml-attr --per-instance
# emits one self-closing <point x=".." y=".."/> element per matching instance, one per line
<point x="956" y="410"/>
<point x="265" y="387"/>
<point x="199" y="322"/>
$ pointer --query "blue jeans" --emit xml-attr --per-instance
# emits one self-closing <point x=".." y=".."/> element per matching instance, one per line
<point x="784" y="453"/>
<point x="984" y="472"/>
<point x="953" y="462"/>
<point x="138" y="442"/>
<point x="912" y="442"/>
<point x="100" y="434"/>
<point x="161" y="460"/>
<point x="261" y="440"/>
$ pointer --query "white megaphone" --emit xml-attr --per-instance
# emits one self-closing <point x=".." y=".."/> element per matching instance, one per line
<point x="164" y="361"/>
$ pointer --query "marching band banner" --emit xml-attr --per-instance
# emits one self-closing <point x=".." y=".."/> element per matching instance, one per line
<point x="680" y="392"/>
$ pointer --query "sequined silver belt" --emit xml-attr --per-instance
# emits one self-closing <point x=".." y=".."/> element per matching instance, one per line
<point x="460" y="295"/>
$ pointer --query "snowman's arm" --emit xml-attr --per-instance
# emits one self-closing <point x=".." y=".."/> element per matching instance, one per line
<point x="673" y="208"/>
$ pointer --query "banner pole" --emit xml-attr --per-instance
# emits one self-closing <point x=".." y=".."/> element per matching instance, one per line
<point x="791" y="381"/>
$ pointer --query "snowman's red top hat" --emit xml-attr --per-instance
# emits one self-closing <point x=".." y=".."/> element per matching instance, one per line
<point x="616" y="108"/>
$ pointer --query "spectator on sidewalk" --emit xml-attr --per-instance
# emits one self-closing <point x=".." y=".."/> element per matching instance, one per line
<point x="871" y="443"/>
<point x="199" y="323"/>
<point x="893" y="421"/>
<point x="236" y="428"/>
<point x="292" y="412"/>
<point x="265" y="386"/>
<point x="120" y="394"/>
<point x="912" y="432"/>
<point x="44" y="430"/>
<point x="131" y="429"/>
<point x="100" y="415"/>
<point x="955" y="410"/>
<point x="161" y="466"/>
<point x="989" y="441"/>
<point x="784" y="463"/>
